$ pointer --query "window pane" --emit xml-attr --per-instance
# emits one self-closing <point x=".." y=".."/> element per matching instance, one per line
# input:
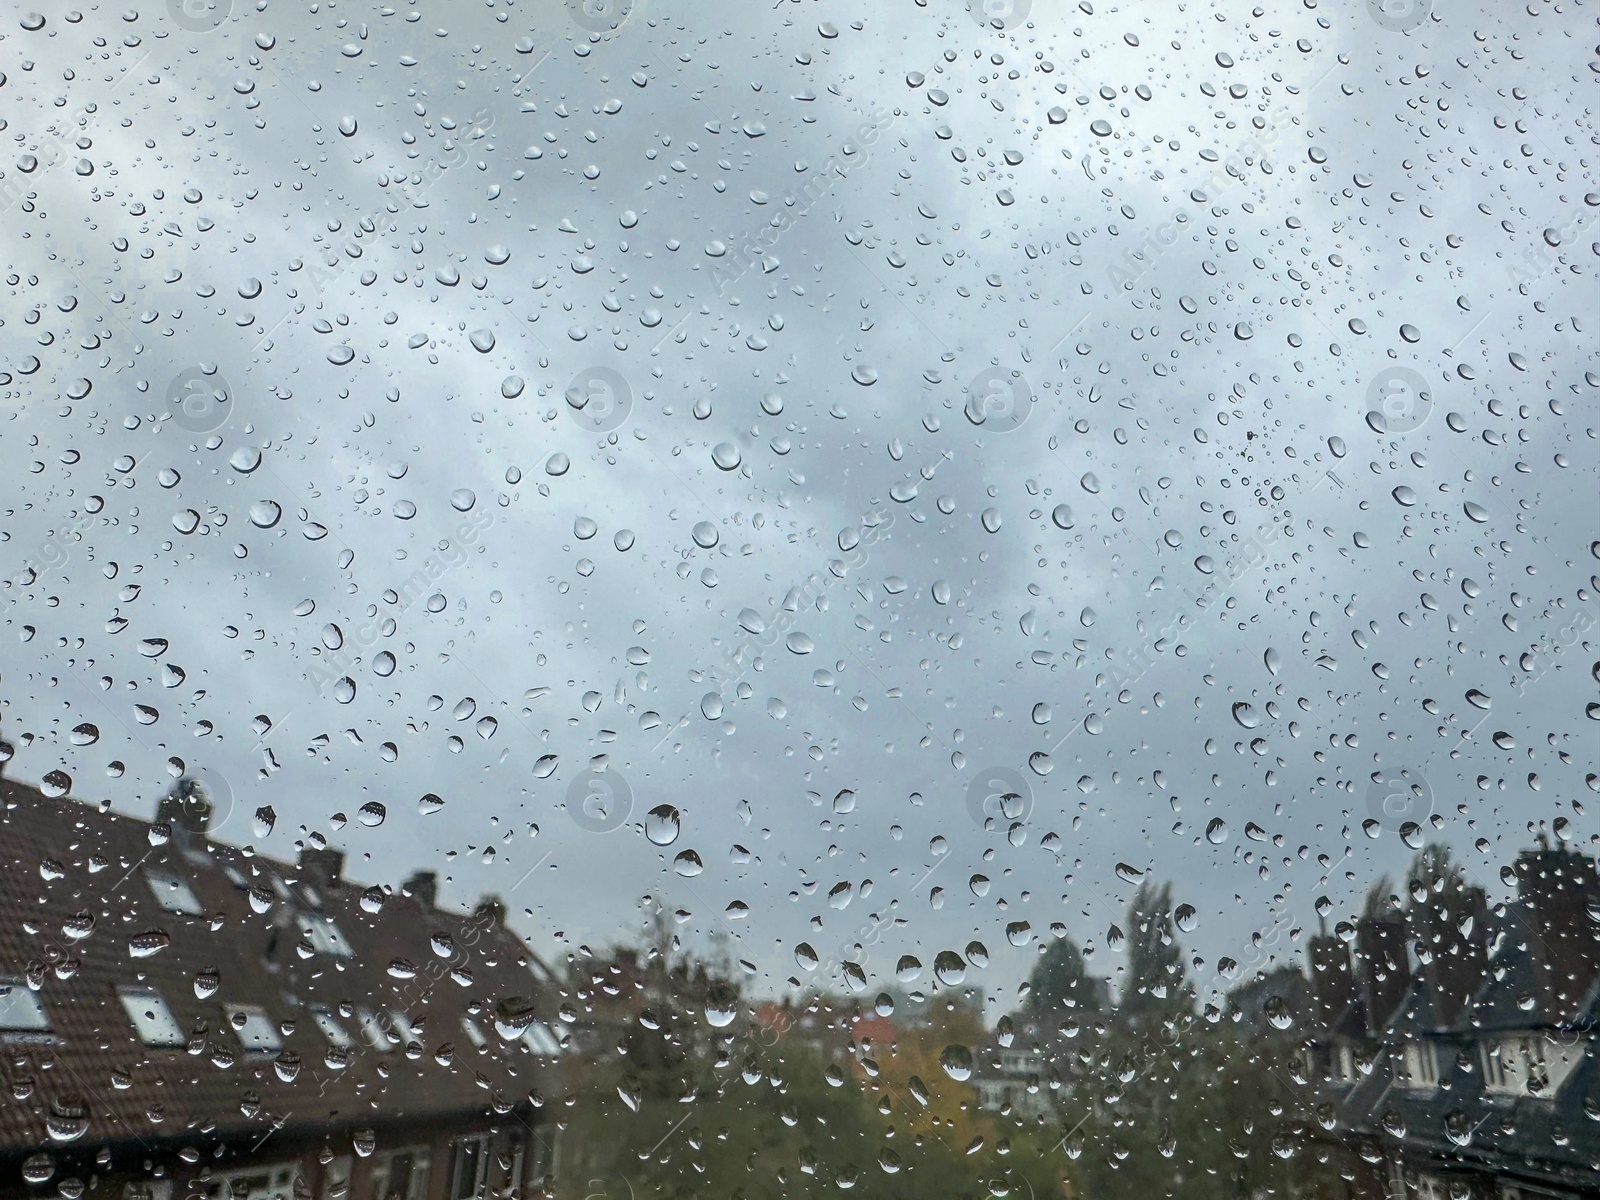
<point x="153" y="1021"/>
<point x="985" y="598"/>
<point x="173" y="894"/>
<point x="256" y="1030"/>
<point x="20" y="1008"/>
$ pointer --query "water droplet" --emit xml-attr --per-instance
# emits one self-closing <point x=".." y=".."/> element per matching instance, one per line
<point x="957" y="1062"/>
<point x="662" y="825"/>
<point x="264" y="514"/>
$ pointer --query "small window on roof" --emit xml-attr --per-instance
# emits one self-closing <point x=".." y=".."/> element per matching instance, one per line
<point x="256" y="1030"/>
<point x="375" y="1028"/>
<point x="403" y="1026"/>
<point x="324" y="936"/>
<point x="21" y="1010"/>
<point x="174" y="893"/>
<point x="152" y="1019"/>
<point x="541" y="1039"/>
<point x="331" y="1029"/>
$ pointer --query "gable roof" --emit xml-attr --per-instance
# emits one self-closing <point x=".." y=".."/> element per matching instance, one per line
<point x="92" y="909"/>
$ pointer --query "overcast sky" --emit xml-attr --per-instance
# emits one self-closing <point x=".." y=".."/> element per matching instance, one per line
<point x="1032" y="368"/>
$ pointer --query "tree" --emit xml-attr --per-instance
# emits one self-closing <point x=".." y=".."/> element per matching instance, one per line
<point x="1157" y="986"/>
<point x="1059" y="981"/>
<point x="1381" y="900"/>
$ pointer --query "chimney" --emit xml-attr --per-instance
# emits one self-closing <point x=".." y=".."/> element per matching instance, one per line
<point x="1382" y="972"/>
<point x="186" y="808"/>
<point x="424" y="886"/>
<point x="1560" y="889"/>
<point x="1333" y="986"/>
<point x="492" y="910"/>
<point x="321" y="867"/>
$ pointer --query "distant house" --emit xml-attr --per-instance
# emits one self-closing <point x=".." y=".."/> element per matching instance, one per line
<point x="1467" y="1067"/>
<point x="1013" y="1066"/>
<point x="1028" y="1066"/>
<point x="181" y="1018"/>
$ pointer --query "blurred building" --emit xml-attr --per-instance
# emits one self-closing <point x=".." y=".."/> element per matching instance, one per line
<point x="1030" y="1066"/>
<point x="182" y="1018"/>
<point x="1459" y="1060"/>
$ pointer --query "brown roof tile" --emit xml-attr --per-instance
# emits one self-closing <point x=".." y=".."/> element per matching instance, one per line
<point x="83" y="920"/>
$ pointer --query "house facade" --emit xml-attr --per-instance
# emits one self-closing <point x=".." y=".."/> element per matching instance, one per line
<point x="1461" y="1062"/>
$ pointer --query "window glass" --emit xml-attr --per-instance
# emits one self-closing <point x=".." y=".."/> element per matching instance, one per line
<point x="984" y="598"/>
<point x="331" y="1029"/>
<point x="21" y="1010"/>
<point x="173" y="893"/>
<point x="541" y="1039"/>
<point x="376" y="1028"/>
<point x="323" y="935"/>
<point x="153" y="1021"/>
<point x="256" y="1030"/>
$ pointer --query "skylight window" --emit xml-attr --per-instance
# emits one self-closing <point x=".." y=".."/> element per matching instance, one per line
<point x="174" y="893"/>
<point x="257" y="1032"/>
<point x="324" y="936"/>
<point x="21" y="1010"/>
<point x="541" y="1039"/>
<point x="375" y="1028"/>
<point x="153" y="1021"/>
<point x="331" y="1029"/>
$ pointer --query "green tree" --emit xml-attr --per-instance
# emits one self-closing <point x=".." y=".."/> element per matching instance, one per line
<point x="1157" y="987"/>
<point x="1059" y="981"/>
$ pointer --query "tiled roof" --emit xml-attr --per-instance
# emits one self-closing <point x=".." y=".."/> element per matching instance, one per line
<point x="1538" y="987"/>
<point x="79" y="890"/>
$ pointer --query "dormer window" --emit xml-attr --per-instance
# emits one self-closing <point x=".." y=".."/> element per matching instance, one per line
<point x="1420" y="1065"/>
<point x="1526" y="1064"/>
<point x="1342" y="1063"/>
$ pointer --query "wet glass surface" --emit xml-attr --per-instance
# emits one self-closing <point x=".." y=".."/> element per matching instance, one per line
<point x="620" y="599"/>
